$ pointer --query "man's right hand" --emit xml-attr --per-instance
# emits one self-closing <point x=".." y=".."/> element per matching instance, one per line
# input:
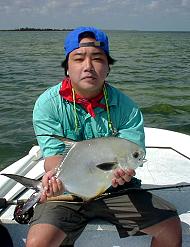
<point x="52" y="186"/>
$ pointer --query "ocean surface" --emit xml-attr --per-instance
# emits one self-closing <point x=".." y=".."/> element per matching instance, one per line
<point x="152" y="67"/>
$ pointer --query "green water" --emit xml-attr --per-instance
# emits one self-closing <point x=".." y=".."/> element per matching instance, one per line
<point x="152" y="67"/>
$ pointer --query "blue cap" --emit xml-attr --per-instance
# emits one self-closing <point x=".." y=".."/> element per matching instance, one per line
<point x="72" y="40"/>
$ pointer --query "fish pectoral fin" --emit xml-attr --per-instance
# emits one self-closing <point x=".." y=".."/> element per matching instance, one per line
<point x="27" y="182"/>
<point x="107" y="166"/>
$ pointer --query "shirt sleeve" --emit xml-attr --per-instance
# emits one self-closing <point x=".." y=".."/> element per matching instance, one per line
<point x="45" y="122"/>
<point x="133" y="129"/>
<point x="131" y="124"/>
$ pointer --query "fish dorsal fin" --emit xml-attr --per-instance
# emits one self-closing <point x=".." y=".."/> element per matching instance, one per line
<point x="69" y="143"/>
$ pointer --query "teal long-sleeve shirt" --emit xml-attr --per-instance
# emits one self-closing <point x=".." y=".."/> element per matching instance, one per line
<point x="54" y="115"/>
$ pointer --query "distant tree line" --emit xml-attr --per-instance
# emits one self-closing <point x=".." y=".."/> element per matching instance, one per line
<point x="37" y="29"/>
<point x="40" y="29"/>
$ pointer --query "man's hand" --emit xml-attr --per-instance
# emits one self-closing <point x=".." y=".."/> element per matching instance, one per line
<point x="121" y="176"/>
<point x="52" y="186"/>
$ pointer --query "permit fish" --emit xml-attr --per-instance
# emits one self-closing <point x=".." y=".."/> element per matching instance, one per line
<point x="87" y="166"/>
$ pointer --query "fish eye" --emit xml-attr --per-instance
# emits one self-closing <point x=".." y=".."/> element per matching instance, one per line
<point x="135" y="155"/>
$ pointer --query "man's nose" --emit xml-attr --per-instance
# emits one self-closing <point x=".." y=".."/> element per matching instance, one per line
<point x="88" y="65"/>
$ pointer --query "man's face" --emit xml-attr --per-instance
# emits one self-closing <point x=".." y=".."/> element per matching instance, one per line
<point x="88" y="67"/>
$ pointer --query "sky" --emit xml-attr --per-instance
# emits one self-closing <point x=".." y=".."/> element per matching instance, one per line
<point x="151" y="15"/>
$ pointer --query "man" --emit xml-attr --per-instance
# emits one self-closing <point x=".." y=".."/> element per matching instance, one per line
<point x="85" y="106"/>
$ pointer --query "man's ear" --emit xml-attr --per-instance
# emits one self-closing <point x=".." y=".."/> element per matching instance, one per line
<point x="108" y="70"/>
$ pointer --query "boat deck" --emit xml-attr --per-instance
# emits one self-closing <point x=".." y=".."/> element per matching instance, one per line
<point x="166" y="165"/>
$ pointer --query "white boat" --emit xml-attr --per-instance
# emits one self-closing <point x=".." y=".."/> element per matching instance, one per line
<point x="168" y="163"/>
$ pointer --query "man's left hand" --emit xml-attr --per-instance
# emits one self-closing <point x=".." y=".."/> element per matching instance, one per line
<point x="121" y="176"/>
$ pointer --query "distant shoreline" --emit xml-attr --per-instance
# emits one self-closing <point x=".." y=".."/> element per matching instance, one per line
<point x="36" y="29"/>
<point x="24" y="29"/>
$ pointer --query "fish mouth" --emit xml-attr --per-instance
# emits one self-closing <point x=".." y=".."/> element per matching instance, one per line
<point x="144" y="160"/>
<point x="139" y="156"/>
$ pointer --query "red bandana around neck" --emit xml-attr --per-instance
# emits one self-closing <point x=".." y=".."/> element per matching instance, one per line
<point x="88" y="104"/>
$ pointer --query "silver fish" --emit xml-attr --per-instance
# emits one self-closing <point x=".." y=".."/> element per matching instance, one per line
<point x="87" y="166"/>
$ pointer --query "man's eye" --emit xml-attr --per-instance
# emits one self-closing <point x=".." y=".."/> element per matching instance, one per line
<point x="78" y="59"/>
<point x="97" y="59"/>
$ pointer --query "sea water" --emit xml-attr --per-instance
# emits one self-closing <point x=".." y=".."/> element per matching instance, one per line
<point x="152" y="67"/>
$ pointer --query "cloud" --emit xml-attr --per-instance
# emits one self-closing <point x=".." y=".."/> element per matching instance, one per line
<point x="105" y="13"/>
<point x="89" y="6"/>
<point x="169" y="6"/>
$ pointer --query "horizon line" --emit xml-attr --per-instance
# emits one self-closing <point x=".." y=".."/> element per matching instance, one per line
<point x="70" y="29"/>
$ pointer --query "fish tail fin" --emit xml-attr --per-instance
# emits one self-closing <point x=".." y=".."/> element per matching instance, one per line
<point x="27" y="182"/>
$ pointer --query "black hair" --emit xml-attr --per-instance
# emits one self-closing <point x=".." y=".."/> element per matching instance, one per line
<point x="87" y="34"/>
